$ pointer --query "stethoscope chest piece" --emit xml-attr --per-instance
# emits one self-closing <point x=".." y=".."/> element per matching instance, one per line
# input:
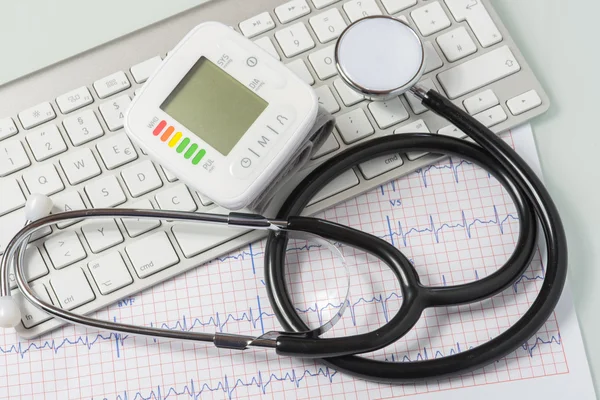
<point x="380" y="57"/>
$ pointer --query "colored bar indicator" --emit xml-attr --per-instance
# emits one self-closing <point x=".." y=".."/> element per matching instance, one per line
<point x="180" y="143"/>
<point x="159" y="128"/>
<point x="175" y="139"/>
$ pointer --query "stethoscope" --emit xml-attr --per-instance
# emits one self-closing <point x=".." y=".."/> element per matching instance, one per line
<point x="381" y="57"/>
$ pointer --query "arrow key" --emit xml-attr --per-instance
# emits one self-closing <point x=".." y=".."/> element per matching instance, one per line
<point x="524" y="102"/>
<point x="64" y="249"/>
<point x="491" y="117"/>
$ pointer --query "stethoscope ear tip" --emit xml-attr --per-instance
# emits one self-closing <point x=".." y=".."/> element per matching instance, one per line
<point x="37" y="206"/>
<point x="10" y="315"/>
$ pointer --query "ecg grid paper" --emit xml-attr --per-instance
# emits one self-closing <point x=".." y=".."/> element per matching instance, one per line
<point x="455" y="223"/>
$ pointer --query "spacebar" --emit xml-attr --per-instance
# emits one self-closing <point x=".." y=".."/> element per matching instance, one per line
<point x="478" y="72"/>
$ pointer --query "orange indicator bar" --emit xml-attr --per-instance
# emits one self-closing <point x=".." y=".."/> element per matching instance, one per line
<point x="167" y="134"/>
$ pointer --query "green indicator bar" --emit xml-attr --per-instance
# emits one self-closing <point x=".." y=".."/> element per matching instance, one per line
<point x="183" y="145"/>
<point x="190" y="152"/>
<point x="199" y="156"/>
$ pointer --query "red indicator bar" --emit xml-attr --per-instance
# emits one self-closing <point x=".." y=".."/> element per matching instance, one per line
<point x="159" y="128"/>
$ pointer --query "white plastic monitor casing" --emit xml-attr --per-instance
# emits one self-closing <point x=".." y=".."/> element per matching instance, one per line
<point x="235" y="180"/>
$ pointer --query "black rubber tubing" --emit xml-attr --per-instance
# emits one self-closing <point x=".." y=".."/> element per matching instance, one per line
<point x="531" y="199"/>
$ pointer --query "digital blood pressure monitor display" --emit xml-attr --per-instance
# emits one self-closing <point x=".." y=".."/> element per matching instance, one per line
<point x="223" y="115"/>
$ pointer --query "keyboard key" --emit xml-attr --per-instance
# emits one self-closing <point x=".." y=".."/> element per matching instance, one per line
<point x="136" y="227"/>
<point x="31" y="315"/>
<point x="43" y="179"/>
<point x="394" y="6"/>
<point x="323" y="3"/>
<point x="414" y="127"/>
<point x="357" y="9"/>
<point x="294" y="39"/>
<point x="69" y="201"/>
<point x="101" y="234"/>
<point x="113" y="112"/>
<point x="116" y="150"/>
<point x="491" y="117"/>
<point x="152" y="254"/>
<point x="343" y="182"/>
<point x="194" y="240"/>
<point x="80" y="166"/>
<point x="331" y="144"/>
<point x="430" y="18"/>
<point x="83" y="127"/>
<point x="388" y="113"/>
<point x="478" y="19"/>
<point x="12" y="223"/>
<point x="35" y="267"/>
<point x="72" y="288"/>
<point x="453" y="131"/>
<point x="105" y="192"/>
<point x="481" y="102"/>
<point x="37" y="115"/>
<point x="12" y="157"/>
<point x="205" y="201"/>
<point x="349" y="97"/>
<point x="415" y="103"/>
<point x="257" y="25"/>
<point x="328" y="25"/>
<point x="482" y="70"/>
<point x="267" y="45"/>
<point x="292" y="10"/>
<point x="176" y="198"/>
<point x="74" y="100"/>
<point x="7" y="128"/>
<point x="112" y="84"/>
<point x="12" y="196"/>
<point x="110" y="273"/>
<point x="323" y="61"/>
<point x="142" y="71"/>
<point x="141" y="178"/>
<point x="432" y="59"/>
<point x="456" y="44"/>
<point x="299" y="68"/>
<point x="524" y="102"/>
<point x="354" y="126"/>
<point x="169" y="175"/>
<point x="46" y="142"/>
<point x="64" y="249"/>
<point x="380" y="165"/>
<point x="326" y="99"/>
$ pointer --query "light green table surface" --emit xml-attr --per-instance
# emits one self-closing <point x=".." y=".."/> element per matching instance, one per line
<point x="558" y="37"/>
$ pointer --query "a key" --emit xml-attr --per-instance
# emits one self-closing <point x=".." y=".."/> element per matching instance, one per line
<point x="354" y="126"/>
<point x="456" y="44"/>
<point x="323" y="3"/>
<point x="323" y="61"/>
<point x="394" y="6"/>
<point x="11" y="223"/>
<point x="46" y="142"/>
<point x="453" y="131"/>
<point x="491" y="117"/>
<point x="326" y="99"/>
<point x="257" y="25"/>
<point x="414" y="102"/>
<point x="35" y="267"/>
<point x="430" y="18"/>
<point x="43" y="179"/>
<point x="112" y="84"/>
<point x="481" y="102"/>
<point x="418" y="126"/>
<point x="113" y="112"/>
<point x="380" y="165"/>
<point x="524" y="102"/>
<point x="31" y="315"/>
<point x="292" y="10"/>
<point x="349" y="97"/>
<point x="116" y="150"/>
<point x="142" y="71"/>
<point x="294" y="39"/>
<point x="68" y="201"/>
<point x="141" y="178"/>
<point x="11" y="195"/>
<point x="101" y="234"/>
<point x="340" y="184"/>
<point x="176" y="198"/>
<point x="478" y="18"/>
<point x="388" y="113"/>
<point x="328" y="25"/>
<point x="7" y="128"/>
<point x="299" y="68"/>
<point x="152" y="254"/>
<point x="482" y="70"/>
<point x="80" y="166"/>
<point x="64" y="249"/>
<point x="37" y="115"/>
<point x="169" y="175"/>
<point x="72" y="288"/>
<point x="105" y="192"/>
<point x="432" y="59"/>
<point x="193" y="241"/>
<point x="331" y="144"/>
<point x="357" y="9"/>
<point x="205" y="201"/>
<point x="83" y="127"/>
<point x="136" y="227"/>
<point x="110" y="273"/>
<point x="267" y="45"/>
<point x="74" y="100"/>
<point x="12" y="157"/>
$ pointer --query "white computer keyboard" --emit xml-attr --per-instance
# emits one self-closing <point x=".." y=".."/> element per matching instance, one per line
<point x="61" y="134"/>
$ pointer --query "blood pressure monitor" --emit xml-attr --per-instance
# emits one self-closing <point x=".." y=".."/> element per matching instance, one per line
<point x="225" y="117"/>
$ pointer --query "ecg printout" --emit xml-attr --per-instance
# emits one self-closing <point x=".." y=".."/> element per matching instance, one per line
<point x="455" y="223"/>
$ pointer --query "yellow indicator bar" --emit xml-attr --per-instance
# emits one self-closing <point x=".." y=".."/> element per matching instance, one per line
<point x="175" y="139"/>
